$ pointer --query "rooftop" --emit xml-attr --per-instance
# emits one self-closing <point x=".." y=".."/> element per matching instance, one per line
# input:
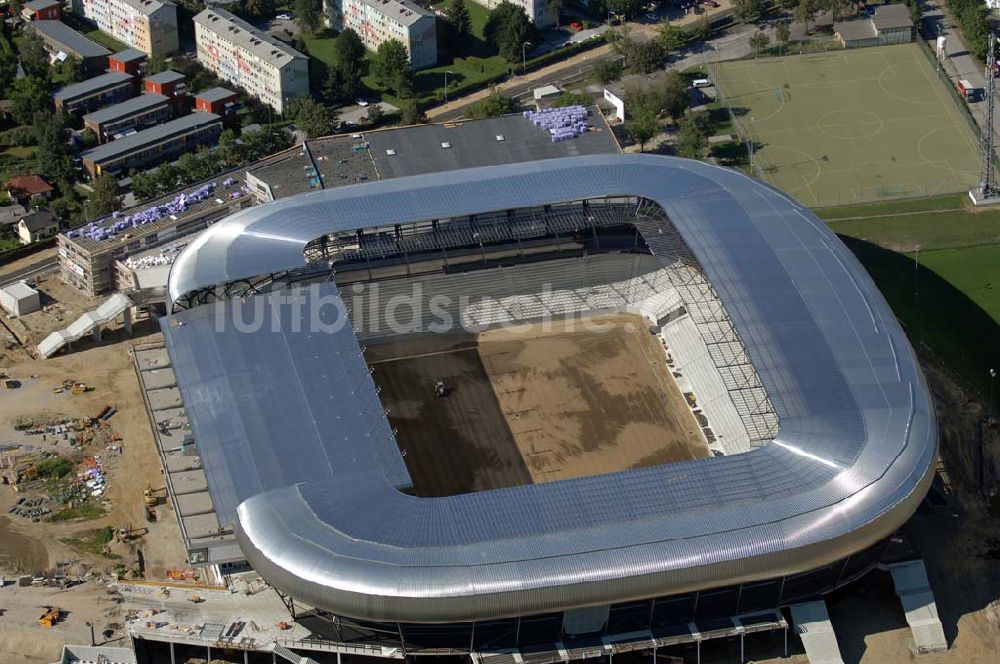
<point x="167" y="76"/>
<point x="215" y="94"/>
<point x="128" y="55"/>
<point x="148" y="6"/>
<point x="38" y="220"/>
<point x="28" y="185"/>
<point x="126" y="108"/>
<point x="91" y="85"/>
<point x="66" y="38"/>
<point x="888" y="17"/>
<point x="19" y="290"/>
<point x="139" y="139"/>
<point x="246" y="36"/>
<point x="401" y="11"/>
<point x="38" y="5"/>
<point x="504" y="140"/>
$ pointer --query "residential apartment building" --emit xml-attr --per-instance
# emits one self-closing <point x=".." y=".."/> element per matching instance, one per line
<point x="539" y="11"/>
<point x="62" y="41"/>
<point x="134" y="114"/>
<point x="94" y="93"/>
<point x="153" y="146"/>
<point x="378" y="21"/>
<point x="268" y="69"/>
<point x="148" y="25"/>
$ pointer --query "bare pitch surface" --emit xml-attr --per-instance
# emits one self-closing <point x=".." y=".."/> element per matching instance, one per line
<point x="534" y="404"/>
<point x="852" y="126"/>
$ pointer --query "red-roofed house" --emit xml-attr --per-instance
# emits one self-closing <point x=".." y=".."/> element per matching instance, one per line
<point x="27" y="189"/>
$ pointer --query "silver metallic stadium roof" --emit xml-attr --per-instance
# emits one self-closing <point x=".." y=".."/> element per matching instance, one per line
<point x="296" y="454"/>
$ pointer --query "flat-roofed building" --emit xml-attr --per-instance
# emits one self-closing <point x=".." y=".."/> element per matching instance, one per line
<point x="131" y="61"/>
<point x="378" y="21"/>
<point x="60" y="39"/>
<point x="148" y="25"/>
<point x="133" y="114"/>
<point x="153" y="146"/>
<point x="220" y="101"/>
<point x="42" y="10"/>
<point x="94" y="93"/>
<point x="235" y="51"/>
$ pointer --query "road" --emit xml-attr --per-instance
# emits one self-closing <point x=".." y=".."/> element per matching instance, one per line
<point x="40" y="267"/>
<point x="960" y="64"/>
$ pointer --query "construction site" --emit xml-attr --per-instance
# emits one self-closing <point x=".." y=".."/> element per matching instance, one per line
<point x="111" y="536"/>
<point x="539" y="403"/>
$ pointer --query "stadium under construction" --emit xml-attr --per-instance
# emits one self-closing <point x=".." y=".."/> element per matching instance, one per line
<point x="809" y="436"/>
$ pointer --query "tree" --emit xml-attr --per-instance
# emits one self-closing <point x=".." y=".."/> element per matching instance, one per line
<point x="606" y="71"/>
<point x="669" y="96"/>
<point x="642" y="126"/>
<point x="410" y="113"/>
<point x="782" y="33"/>
<point x="8" y="71"/>
<point x="349" y="54"/>
<point x="313" y="118"/>
<point x="308" y="14"/>
<point x="644" y="57"/>
<point x="692" y="140"/>
<point x="34" y="56"/>
<point x="748" y="11"/>
<point x="508" y="29"/>
<point x="675" y="98"/>
<point x="258" y="9"/>
<point x="700" y="31"/>
<point x="627" y="8"/>
<point x="555" y="6"/>
<point x="69" y="70"/>
<point x="805" y="12"/>
<point x="759" y="41"/>
<point x="671" y="37"/>
<point x="459" y="18"/>
<point x="155" y="65"/>
<point x="375" y="114"/>
<point x="89" y="138"/>
<point x="571" y="99"/>
<point x="837" y="8"/>
<point x="28" y="95"/>
<point x="392" y="68"/>
<point x="53" y="155"/>
<point x="496" y="104"/>
<point x="144" y="185"/>
<point x="104" y="199"/>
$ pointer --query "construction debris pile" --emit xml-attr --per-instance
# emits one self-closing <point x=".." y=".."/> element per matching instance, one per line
<point x="92" y="476"/>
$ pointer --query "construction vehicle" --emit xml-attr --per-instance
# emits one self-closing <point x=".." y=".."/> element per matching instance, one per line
<point x="196" y="599"/>
<point x="148" y="497"/>
<point x="50" y="617"/>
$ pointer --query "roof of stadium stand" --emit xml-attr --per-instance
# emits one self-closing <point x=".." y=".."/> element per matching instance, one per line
<point x="288" y="438"/>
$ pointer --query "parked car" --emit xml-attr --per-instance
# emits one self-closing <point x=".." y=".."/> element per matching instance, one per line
<point x="284" y="16"/>
<point x="711" y="3"/>
<point x="576" y="26"/>
<point x="363" y="103"/>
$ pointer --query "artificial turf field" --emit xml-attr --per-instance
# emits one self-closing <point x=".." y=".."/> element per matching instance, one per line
<point x="852" y="126"/>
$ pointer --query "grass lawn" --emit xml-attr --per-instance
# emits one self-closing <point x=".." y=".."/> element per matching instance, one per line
<point x="107" y="41"/>
<point x="937" y="203"/>
<point x="849" y="127"/>
<point x="8" y="242"/>
<point x="21" y="151"/>
<point x="947" y="295"/>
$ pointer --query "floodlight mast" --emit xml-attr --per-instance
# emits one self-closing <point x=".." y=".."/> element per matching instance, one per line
<point x="987" y="179"/>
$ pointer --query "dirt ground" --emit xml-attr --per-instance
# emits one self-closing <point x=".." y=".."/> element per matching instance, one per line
<point x="536" y="405"/>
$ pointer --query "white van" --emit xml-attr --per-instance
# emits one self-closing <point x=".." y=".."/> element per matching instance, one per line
<point x="701" y="83"/>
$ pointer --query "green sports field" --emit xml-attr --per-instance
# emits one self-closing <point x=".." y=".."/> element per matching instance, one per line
<point x="851" y="126"/>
